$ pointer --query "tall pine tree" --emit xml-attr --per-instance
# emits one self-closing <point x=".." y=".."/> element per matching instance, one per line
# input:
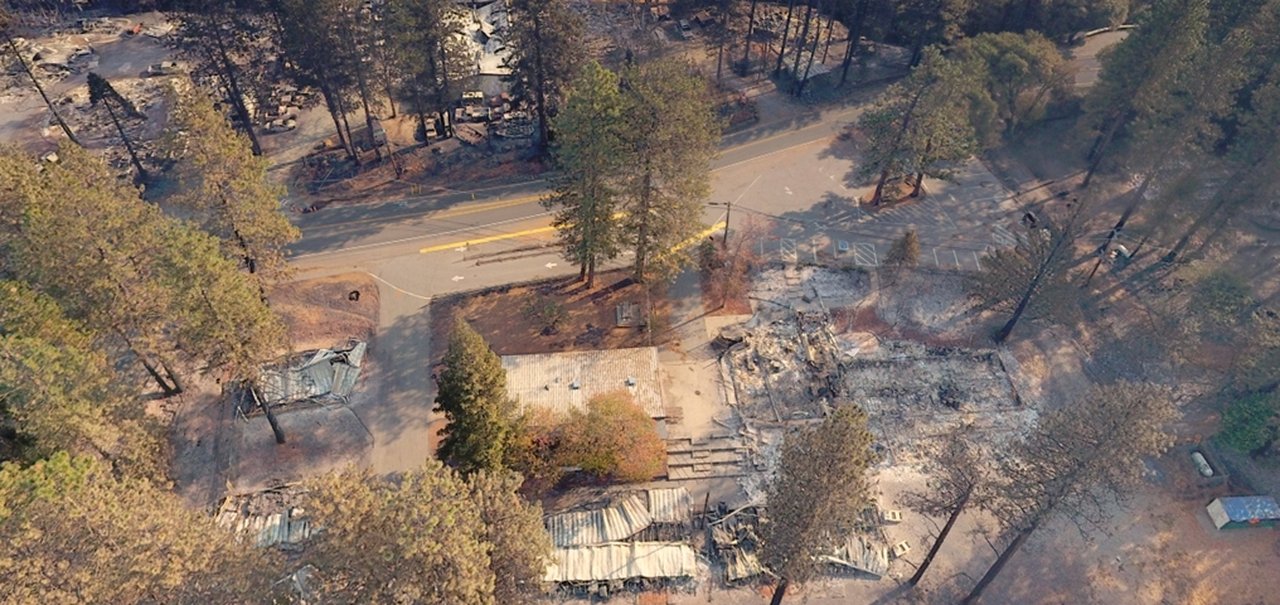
<point x="671" y="133"/>
<point x="546" y="50"/>
<point x="589" y="151"/>
<point x="228" y="189"/>
<point x="472" y="394"/>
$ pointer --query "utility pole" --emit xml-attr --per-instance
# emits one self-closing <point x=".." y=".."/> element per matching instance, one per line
<point x="728" y="211"/>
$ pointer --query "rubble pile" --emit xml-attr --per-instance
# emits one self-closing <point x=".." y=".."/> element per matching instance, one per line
<point x="913" y="392"/>
<point x="788" y="363"/>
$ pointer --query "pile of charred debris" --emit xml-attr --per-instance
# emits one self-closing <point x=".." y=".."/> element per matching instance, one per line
<point x="733" y="543"/>
<point x="791" y="361"/>
<point x="786" y="362"/>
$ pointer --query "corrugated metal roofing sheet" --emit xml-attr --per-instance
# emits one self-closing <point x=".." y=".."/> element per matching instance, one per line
<point x="621" y="520"/>
<point x="673" y="505"/>
<point x="860" y="554"/>
<point x="612" y="562"/>
<point x="325" y="372"/>
<point x="1247" y="508"/>
<point x="548" y="380"/>
<point x="267" y="530"/>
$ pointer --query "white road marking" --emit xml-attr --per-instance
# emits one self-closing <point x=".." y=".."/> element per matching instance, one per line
<point x="787" y="249"/>
<point x="398" y="288"/>
<point x="550" y="265"/>
<point x="865" y="255"/>
<point x="458" y="278"/>
<point x="1003" y="236"/>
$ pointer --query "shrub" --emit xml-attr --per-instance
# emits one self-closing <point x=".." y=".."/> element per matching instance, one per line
<point x="1247" y="425"/>
<point x="614" y="438"/>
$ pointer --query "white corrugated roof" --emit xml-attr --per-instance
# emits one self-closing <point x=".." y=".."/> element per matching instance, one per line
<point x="621" y="520"/>
<point x="547" y="380"/>
<point x="672" y="505"/>
<point x="611" y="562"/>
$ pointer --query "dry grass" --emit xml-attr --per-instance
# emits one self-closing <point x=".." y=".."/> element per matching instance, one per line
<point x="587" y="321"/>
<point x="318" y="313"/>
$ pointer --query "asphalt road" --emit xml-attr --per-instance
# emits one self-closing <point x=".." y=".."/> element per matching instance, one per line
<point x="352" y="231"/>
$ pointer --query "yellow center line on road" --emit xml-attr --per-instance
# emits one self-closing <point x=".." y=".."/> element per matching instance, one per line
<point x="486" y="239"/>
<point x="540" y="230"/>
<point x="474" y="208"/>
<point x="699" y="237"/>
<point x="496" y="238"/>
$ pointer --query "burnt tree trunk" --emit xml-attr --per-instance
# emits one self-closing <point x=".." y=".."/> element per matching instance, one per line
<point x="1001" y="561"/>
<point x="801" y="43"/>
<point x="942" y="537"/>
<point x="128" y="145"/>
<point x="855" y="35"/>
<point x="40" y="89"/>
<point x="786" y="30"/>
<point x="813" y="54"/>
<point x="779" y="591"/>
<point x="234" y="94"/>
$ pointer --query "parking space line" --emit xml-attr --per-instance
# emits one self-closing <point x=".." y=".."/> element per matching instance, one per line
<point x="864" y="254"/>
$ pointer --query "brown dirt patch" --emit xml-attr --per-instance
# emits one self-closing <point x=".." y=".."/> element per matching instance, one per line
<point x="318" y="312"/>
<point x="505" y="315"/>
<point x="714" y="302"/>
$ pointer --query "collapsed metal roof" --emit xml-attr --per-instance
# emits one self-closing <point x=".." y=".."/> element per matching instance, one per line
<point x="272" y="517"/>
<point x="621" y="520"/>
<point x="859" y="553"/>
<point x="617" y="562"/>
<point x="287" y="528"/>
<point x="670" y="505"/>
<point x="321" y="373"/>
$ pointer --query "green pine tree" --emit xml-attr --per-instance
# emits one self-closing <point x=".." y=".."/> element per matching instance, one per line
<point x="589" y="152"/>
<point x="62" y="392"/>
<point x="918" y="124"/>
<point x="472" y="394"/>
<point x="1142" y="73"/>
<point x="546" y="41"/>
<point x="671" y="132"/>
<point x="425" y="46"/>
<point x="817" y="495"/>
<point x="91" y="244"/>
<point x="75" y="533"/>
<point x="429" y="536"/>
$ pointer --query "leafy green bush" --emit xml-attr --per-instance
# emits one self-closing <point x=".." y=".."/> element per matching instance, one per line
<point x="1247" y="425"/>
